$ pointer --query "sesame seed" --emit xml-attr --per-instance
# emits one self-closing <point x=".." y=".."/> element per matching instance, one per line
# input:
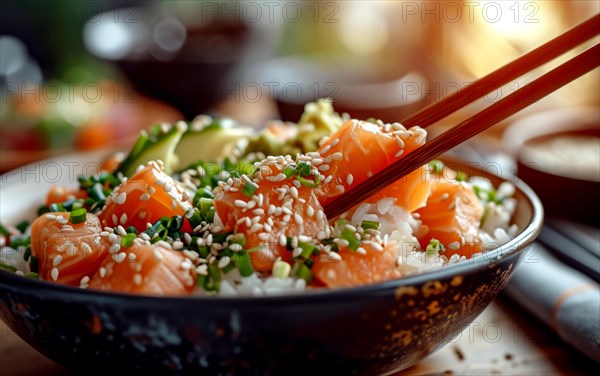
<point x="54" y="274"/>
<point x="187" y="237"/>
<point x="51" y="217"/>
<point x="240" y="203"/>
<point x="263" y="236"/>
<point x="202" y="269"/>
<point x="86" y="248"/>
<point x="452" y="205"/>
<point x="324" y="167"/>
<point x="177" y="244"/>
<point x="123" y="219"/>
<point x="271" y="209"/>
<point x="377" y="246"/>
<point x="255" y="227"/>
<point x="298" y="219"/>
<point x="294" y="192"/>
<point x="137" y="279"/>
<point x="282" y="240"/>
<point x="328" y="179"/>
<point x="85" y="280"/>
<point x="286" y="218"/>
<point x="340" y="188"/>
<point x="119" y="257"/>
<point x="131" y="256"/>
<point x="62" y="220"/>
<point x="168" y="186"/>
<point x="454" y="245"/>
<point x="320" y="215"/>
<point x="67" y="228"/>
<point x="224" y="261"/>
<point x="145" y="197"/>
<point x="236" y="247"/>
<point x="57" y="260"/>
<point x="399" y="153"/>
<point x="121" y="230"/>
<point x="297" y="252"/>
<point x="114" y="248"/>
<point x="349" y="179"/>
<point x="121" y="198"/>
<point x="112" y="238"/>
<point x="102" y="272"/>
<point x="115" y="219"/>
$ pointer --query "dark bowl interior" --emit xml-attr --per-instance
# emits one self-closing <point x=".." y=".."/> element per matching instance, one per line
<point x="194" y="61"/>
<point x="376" y="329"/>
<point x="361" y="90"/>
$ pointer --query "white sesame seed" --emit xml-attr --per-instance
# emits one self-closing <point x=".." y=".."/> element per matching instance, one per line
<point x="297" y="252"/>
<point x="131" y="256"/>
<point x="298" y="219"/>
<point x="294" y="192"/>
<point x="224" y="261"/>
<point x="57" y="260"/>
<point x="263" y="236"/>
<point x="145" y="197"/>
<point x="123" y="219"/>
<point x="320" y="215"/>
<point x="177" y="244"/>
<point x="349" y="179"/>
<point x="240" y="203"/>
<point x="168" y="186"/>
<point x="202" y="269"/>
<point x="361" y="250"/>
<point x="324" y="167"/>
<point x="67" y="228"/>
<point x="114" y="248"/>
<point x="86" y="248"/>
<point x="282" y="240"/>
<point x="54" y="274"/>
<point x="121" y="198"/>
<point x="137" y="279"/>
<point x="85" y="280"/>
<point x="452" y="205"/>
<point x="121" y="230"/>
<point x="112" y="238"/>
<point x="119" y="257"/>
<point x="399" y="153"/>
<point x="157" y="255"/>
<point x="102" y="272"/>
<point x="51" y="217"/>
<point x="454" y="245"/>
<point x="115" y="219"/>
<point x="236" y="247"/>
<point x="310" y="211"/>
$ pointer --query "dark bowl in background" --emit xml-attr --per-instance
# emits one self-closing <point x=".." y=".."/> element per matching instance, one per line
<point x="563" y="193"/>
<point x="181" y="54"/>
<point x="359" y="89"/>
<point x="376" y="329"/>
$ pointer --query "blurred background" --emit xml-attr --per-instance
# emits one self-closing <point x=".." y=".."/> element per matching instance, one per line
<point x="86" y="74"/>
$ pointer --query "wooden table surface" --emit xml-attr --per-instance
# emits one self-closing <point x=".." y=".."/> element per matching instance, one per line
<point x="503" y="340"/>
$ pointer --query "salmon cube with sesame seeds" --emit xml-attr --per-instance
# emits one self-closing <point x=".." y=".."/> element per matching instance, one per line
<point x="68" y="252"/>
<point x="152" y="270"/>
<point x="144" y="198"/>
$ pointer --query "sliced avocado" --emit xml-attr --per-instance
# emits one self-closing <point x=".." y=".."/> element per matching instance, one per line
<point x="159" y="142"/>
<point x="212" y="140"/>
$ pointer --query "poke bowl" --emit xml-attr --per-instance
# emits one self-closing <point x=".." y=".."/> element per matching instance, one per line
<point x="375" y="328"/>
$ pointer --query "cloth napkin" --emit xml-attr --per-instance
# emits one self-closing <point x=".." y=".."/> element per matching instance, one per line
<point x="562" y="297"/>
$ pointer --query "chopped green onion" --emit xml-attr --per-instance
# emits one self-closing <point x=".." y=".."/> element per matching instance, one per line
<point x="281" y="269"/>
<point x="207" y="209"/>
<point x="194" y="217"/>
<point x="96" y="192"/>
<point x="19" y="241"/>
<point x="242" y="260"/>
<point x="300" y="270"/>
<point x="249" y="189"/>
<point x="302" y="169"/>
<point x="434" y="247"/>
<point x="32" y="275"/>
<point x="22" y="226"/>
<point x="461" y="176"/>
<point x="370" y="225"/>
<point x="348" y="235"/>
<point x="237" y="239"/>
<point x="288" y="172"/>
<point x="34" y="264"/>
<point x="3" y="230"/>
<point x="307" y="249"/>
<point x="127" y="240"/>
<point x="78" y="216"/>
<point x="27" y="254"/>
<point x="214" y="277"/>
<point x="8" y="268"/>
<point x="131" y="230"/>
<point x="309" y="183"/>
<point x="57" y="207"/>
<point x="436" y="166"/>
<point x="371" y="120"/>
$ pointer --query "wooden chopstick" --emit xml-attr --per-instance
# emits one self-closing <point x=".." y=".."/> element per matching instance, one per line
<point x="500" y="77"/>
<point x="529" y="94"/>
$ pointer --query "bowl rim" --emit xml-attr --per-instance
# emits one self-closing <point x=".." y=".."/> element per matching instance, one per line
<point x="477" y="262"/>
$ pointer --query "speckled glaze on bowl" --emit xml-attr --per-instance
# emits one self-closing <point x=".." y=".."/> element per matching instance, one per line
<point x="377" y="329"/>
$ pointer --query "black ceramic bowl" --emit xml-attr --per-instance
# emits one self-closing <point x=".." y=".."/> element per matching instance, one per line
<point x="190" y="55"/>
<point x="376" y="329"/>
